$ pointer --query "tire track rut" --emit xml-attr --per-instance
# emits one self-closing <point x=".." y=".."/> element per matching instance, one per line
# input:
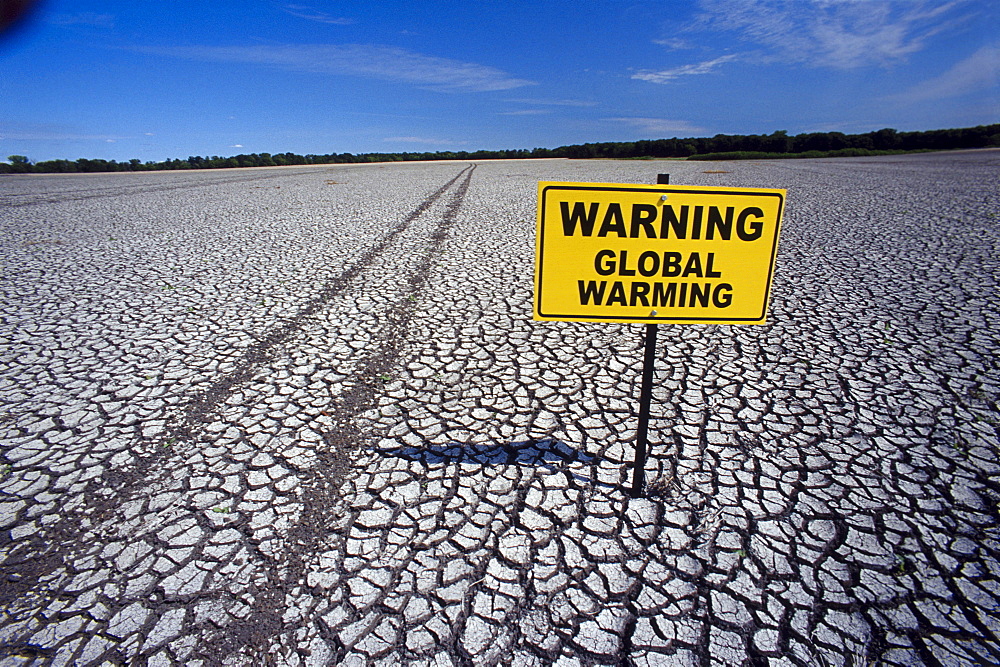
<point x="267" y="346"/>
<point x="322" y="483"/>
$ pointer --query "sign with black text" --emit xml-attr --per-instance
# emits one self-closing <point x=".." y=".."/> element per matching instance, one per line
<point x="609" y="252"/>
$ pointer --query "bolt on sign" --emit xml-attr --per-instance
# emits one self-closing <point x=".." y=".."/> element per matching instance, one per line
<point x="609" y="252"/>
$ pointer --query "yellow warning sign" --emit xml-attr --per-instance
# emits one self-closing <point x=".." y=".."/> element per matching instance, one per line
<point x="608" y="252"/>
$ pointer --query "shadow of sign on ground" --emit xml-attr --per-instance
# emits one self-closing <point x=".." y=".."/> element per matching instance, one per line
<point x="548" y="453"/>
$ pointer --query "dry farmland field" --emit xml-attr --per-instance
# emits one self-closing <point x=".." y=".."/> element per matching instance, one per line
<point x="302" y="416"/>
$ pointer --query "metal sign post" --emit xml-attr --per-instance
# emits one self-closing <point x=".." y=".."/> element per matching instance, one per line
<point x="645" y="395"/>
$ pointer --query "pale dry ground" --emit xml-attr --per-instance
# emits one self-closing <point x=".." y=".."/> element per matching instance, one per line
<point x="303" y="416"/>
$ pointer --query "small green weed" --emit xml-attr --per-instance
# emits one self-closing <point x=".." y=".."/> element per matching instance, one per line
<point x="962" y="447"/>
<point x="221" y="510"/>
<point x="5" y="470"/>
<point x="385" y="377"/>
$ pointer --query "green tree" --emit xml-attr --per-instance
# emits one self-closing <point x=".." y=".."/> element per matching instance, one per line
<point x="885" y="139"/>
<point x="19" y="164"/>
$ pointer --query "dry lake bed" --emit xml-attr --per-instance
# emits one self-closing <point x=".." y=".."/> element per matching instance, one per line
<point x="302" y="416"/>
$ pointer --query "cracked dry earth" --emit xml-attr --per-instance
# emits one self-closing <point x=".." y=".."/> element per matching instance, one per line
<point x="302" y="416"/>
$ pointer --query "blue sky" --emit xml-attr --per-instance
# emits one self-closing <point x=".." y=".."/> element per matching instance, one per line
<point x="157" y="80"/>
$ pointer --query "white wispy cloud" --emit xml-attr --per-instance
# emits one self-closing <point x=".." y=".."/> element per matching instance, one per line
<point x="424" y="140"/>
<point x="841" y="34"/>
<point x="237" y="146"/>
<point x="674" y="43"/>
<point x="978" y="72"/>
<point x="52" y="132"/>
<point x="660" y="126"/>
<point x="557" y="103"/>
<point x="313" y="14"/>
<point x="525" y="112"/>
<point x="370" y="61"/>
<point x="668" y="75"/>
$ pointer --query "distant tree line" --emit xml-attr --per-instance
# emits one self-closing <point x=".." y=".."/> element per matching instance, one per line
<point x="721" y="146"/>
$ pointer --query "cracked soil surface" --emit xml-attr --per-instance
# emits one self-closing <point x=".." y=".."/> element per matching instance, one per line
<point x="302" y="416"/>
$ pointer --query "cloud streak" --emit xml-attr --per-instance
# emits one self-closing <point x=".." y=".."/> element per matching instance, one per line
<point x="659" y="126"/>
<point x="312" y="14"/>
<point x="51" y="132"/>
<point x="840" y="34"/>
<point x="834" y="34"/>
<point x="386" y="63"/>
<point x="424" y="140"/>
<point x="556" y="103"/>
<point x="669" y="75"/>
<point x="525" y="112"/>
<point x="674" y="44"/>
<point x="978" y="72"/>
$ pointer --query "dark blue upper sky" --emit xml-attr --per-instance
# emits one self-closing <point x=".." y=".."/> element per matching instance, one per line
<point x="156" y="80"/>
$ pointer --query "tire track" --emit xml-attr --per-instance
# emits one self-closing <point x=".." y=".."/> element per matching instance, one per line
<point x="270" y="343"/>
<point x="321" y="484"/>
